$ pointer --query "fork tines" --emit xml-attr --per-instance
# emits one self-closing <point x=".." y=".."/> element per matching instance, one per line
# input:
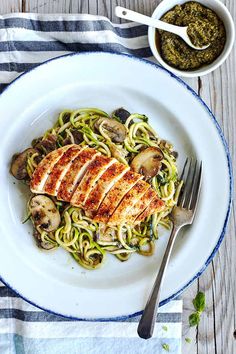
<point x="191" y="176"/>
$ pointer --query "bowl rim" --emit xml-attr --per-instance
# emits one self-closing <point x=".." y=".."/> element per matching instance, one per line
<point x="208" y="68"/>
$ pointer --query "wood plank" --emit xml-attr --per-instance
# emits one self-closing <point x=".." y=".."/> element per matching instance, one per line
<point x="215" y="333"/>
<point x="218" y="92"/>
<point x="53" y="6"/>
<point x="7" y="6"/>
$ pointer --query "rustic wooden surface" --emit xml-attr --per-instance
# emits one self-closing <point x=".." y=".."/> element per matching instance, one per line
<point x="216" y="333"/>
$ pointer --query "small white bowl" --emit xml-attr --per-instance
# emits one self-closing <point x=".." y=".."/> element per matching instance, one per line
<point x="223" y="13"/>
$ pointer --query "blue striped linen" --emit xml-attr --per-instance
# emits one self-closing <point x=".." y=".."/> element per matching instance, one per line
<point x="25" y="41"/>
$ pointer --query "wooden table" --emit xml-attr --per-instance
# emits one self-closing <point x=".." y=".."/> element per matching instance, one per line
<point x="216" y="333"/>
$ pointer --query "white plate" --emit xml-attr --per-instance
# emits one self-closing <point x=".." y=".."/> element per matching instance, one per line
<point x="52" y="280"/>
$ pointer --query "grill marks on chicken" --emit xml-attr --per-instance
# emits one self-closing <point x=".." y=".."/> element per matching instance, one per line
<point x="94" y="171"/>
<point x="115" y="195"/>
<point x="155" y="205"/>
<point x="141" y="205"/>
<point x="59" y="170"/>
<point x="121" y="214"/>
<point x="112" y="175"/>
<point x="106" y="189"/>
<point x="44" y="169"/>
<point x="76" y="173"/>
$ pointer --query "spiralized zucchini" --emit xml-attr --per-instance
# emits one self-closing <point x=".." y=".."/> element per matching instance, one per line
<point x="88" y="241"/>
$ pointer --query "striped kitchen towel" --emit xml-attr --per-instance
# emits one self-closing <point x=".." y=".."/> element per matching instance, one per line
<point x="25" y="329"/>
<point x="29" y="39"/>
<point x="25" y="41"/>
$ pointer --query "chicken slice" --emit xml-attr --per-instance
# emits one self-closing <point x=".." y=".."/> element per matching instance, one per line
<point x="44" y="168"/>
<point x="115" y="195"/>
<point x="156" y="205"/>
<point x="104" y="184"/>
<point x="121" y="214"/>
<point x="76" y="173"/>
<point x="94" y="171"/>
<point x="59" y="170"/>
<point x="141" y="205"/>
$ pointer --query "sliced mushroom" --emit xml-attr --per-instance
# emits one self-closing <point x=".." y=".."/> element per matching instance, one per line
<point x="166" y="145"/>
<point x="121" y="114"/>
<point x="46" y="145"/>
<point x="115" y="130"/>
<point x="19" y="163"/>
<point x="44" y="213"/>
<point x="47" y="245"/>
<point x="78" y="138"/>
<point x="148" y="162"/>
<point x="43" y="244"/>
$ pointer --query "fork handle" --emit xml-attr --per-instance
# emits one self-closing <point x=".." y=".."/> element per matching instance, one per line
<point x="148" y="319"/>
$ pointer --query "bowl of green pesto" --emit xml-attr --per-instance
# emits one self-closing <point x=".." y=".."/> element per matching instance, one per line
<point x="209" y="23"/>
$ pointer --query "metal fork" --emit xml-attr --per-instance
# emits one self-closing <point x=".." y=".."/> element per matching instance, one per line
<point x="182" y="214"/>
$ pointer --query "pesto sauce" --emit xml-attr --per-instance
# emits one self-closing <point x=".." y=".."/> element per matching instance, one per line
<point x="204" y="27"/>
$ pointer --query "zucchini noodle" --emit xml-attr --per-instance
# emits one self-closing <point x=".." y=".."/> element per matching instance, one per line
<point x="88" y="241"/>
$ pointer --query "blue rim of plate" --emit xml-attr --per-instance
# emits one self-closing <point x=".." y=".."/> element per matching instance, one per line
<point x="230" y="171"/>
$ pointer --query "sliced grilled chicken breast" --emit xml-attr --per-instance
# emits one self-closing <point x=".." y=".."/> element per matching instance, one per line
<point x="103" y="185"/>
<point x="106" y="189"/>
<point x="94" y="171"/>
<point x="141" y="205"/>
<point x="156" y="205"/>
<point x="44" y="168"/>
<point x="115" y="195"/>
<point x="76" y="173"/>
<point x="59" y="170"/>
<point x="121" y="214"/>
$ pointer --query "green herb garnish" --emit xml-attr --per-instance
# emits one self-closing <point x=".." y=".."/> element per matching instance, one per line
<point x="165" y="328"/>
<point x="199" y="304"/>
<point x="166" y="347"/>
<point x="188" y="340"/>
<point x="194" y="319"/>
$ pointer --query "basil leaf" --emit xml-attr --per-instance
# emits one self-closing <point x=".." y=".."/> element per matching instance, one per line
<point x="194" y="319"/>
<point x="165" y="347"/>
<point x="199" y="302"/>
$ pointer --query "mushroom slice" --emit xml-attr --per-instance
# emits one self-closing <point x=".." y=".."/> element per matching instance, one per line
<point x="47" y="144"/>
<point x="44" y="213"/>
<point x="19" y="164"/>
<point x="148" y="162"/>
<point x="122" y="114"/>
<point x="115" y="130"/>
